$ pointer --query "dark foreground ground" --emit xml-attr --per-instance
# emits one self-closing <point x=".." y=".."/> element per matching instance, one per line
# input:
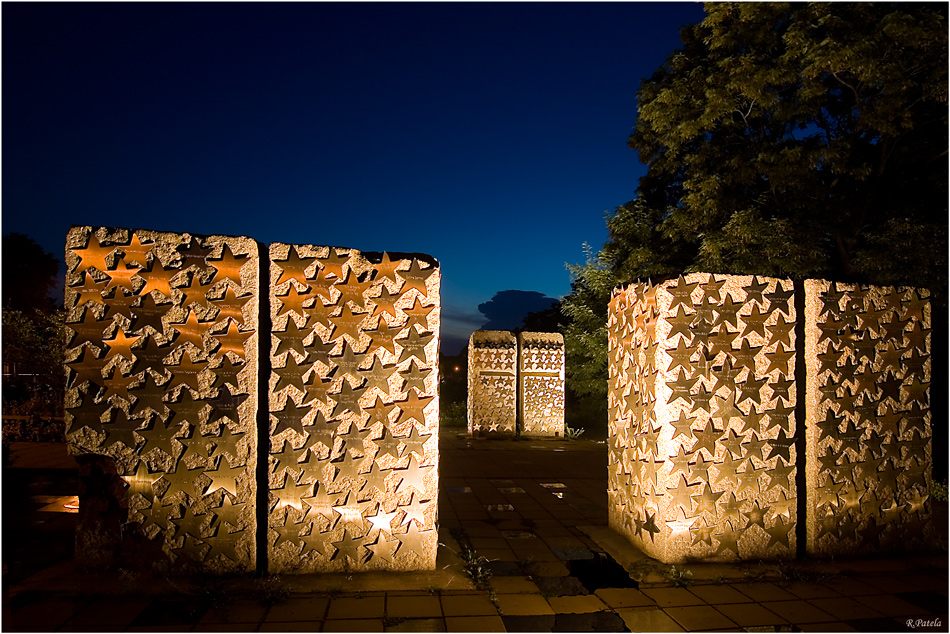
<point x="535" y="509"/>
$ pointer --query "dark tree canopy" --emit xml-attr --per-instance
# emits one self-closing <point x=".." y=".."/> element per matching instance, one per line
<point x="29" y="274"/>
<point x="786" y="139"/>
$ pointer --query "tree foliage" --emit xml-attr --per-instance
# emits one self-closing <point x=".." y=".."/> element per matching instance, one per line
<point x="34" y="349"/>
<point x="29" y="274"/>
<point x="786" y="139"/>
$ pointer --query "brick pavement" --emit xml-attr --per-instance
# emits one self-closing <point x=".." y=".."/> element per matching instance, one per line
<point x="537" y="511"/>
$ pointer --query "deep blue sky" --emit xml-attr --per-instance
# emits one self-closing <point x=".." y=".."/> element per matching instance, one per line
<point x="491" y="136"/>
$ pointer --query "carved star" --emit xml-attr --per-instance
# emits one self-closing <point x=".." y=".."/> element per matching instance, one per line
<point x="191" y="331"/>
<point x="385" y="302"/>
<point x="117" y="384"/>
<point x="745" y="355"/>
<point x="187" y="372"/>
<point x="291" y="337"/>
<point x="94" y="254"/>
<point x="89" y="330"/>
<point x="193" y="253"/>
<point x="334" y="262"/>
<point x="681" y="293"/>
<point x="755" y="322"/>
<point x="680" y="356"/>
<point x="413" y="476"/>
<point x="728" y="539"/>
<point x="352" y="290"/>
<point x="225" y="476"/>
<point x="778" y="533"/>
<point x="418" y="314"/>
<point x="289" y="417"/>
<point x="291" y="375"/>
<point x="383" y="336"/>
<point x="348" y="323"/>
<point x="680" y="388"/>
<point x="89" y="291"/>
<point x="416" y="277"/>
<point x="293" y="267"/>
<point x="386" y="268"/>
<point x="413" y="345"/>
<point x="347" y="400"/>
<point x="413" y="408"/>
<point x="414" y="377"/>
<point x="293" y="300"/>
<point x="706" y="499"/>
<point x="383" y="547"/>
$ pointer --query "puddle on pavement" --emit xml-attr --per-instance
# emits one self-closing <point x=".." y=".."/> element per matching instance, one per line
<point x="499" y="507"/>
<point x="458" y="489"/>
<point x="600" y="571"/>
<point x="511" y="490"/>
<point x="518" y="535"/>
<point x="554" y="485"/>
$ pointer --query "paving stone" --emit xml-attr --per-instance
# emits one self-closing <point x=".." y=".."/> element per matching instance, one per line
<point x="798" y="612"/>
<point x="472" y="605"/>
<point x="536" y="623"/>
<point x="308" y="609"/>
<point x="699" y="617"/>
<point x="523" y="604"/>
<point x="763" y="591"/>
<point x="831" y="626"/>
<point x="474" y="624"/>
<point x="590" y="622"/>
<point x="670" y="597"/>
<point x="165" y="611"/>
<point x="237" y="612"/>
<point x="513" y="584"/>
<point x="804" y="590"/>
<point x="618" y="598"/>
<point x="850" y="587"/>
<point x="353" y="608"/>
<point x="716" y="595"/>
<point x="242" y="627"/>
<point x="889" y="605"/>
<point x="350" y="625"/>
<point x="285" y="626"/>
<point x="750" y="614"/>
<point x="649" y="620"/>
<point x="845" y="608"/>
<point x="576" y="604"/>
<point x="931" y="601"/>
<point x="43" y="614"/>
<point x="413" y="607"/>
<point x="415" y="625"/>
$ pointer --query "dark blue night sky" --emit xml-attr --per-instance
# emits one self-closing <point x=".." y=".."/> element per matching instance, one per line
<point x="491" y="136"/>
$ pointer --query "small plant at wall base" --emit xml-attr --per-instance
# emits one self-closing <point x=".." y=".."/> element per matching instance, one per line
<point x="573" y="433"/>
<point x="680" y="578"/>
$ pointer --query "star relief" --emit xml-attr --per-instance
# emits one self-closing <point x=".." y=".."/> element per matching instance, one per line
<point x="292" y="267"/>
<point x="386" y="269"/>
<point x="416" y="277"/>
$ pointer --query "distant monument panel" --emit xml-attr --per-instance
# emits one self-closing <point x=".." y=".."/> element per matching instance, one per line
<point x="516" y="384"/>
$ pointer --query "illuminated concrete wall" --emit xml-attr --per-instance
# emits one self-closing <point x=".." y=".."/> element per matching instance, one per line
<point x="162" y="375"/>
<point x="492" y="383"/>
<point x="541" y="383"/>
<point x="353" y="401"/>
<point x="701" y="417"/>
<point x="868" y="417"/>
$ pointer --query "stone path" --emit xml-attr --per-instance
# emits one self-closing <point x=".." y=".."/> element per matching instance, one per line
<point x="536" y="511"/>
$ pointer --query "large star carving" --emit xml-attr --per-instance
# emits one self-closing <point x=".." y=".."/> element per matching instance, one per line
<point x="94" y="254"/>
<point x="416" y="277"/>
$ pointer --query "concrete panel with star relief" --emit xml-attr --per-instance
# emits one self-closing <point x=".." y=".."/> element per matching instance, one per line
<point x="492" y="383"/>
<point x="541" y="383"/>
<point x="702" y="429"/>
<point x="353" y="402"/>
<point x="162" y="373"/>
<point x="868" y="420"/>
